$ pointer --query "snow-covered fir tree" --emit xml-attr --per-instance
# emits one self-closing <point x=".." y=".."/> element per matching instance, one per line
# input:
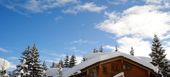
<point x="116" y="48"/>
<point x="61" y="64"/>
<point x="44" y="69"/>
<point x="132" y="51"/>
<point x="66" y="62"/>
<point x="54" y="65"/>
<point x="23" y="69"/>
<point x="166" y="69"/>
<point x="101" y="49"/>
<point x="36" y="67"/>
<point x="3" y="72"/>
<point x="95" y="50"/>
<point x="84" y="59"/>
<point x="29" y="64"/>
<point x="159" y="57"/>
<point x="60" y="74"/>
<point x="72" y="61"/>
<point x="45" y="66"/>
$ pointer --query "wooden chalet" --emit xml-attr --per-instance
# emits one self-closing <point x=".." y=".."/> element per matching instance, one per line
<point x="109" y="65"/>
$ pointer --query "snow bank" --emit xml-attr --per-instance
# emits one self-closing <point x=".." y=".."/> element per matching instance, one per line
<point x="52" y="72"/>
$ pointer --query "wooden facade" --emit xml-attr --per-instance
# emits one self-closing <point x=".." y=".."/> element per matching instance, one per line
<point x="111" y="67"/>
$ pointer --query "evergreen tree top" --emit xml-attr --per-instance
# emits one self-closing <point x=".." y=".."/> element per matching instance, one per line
<point x="66" y="61"/>
<point x="53" y="65"/>
<point x="44" y="66"/>
<point x="95" y="50"/>
<point x="101" y="49"/>
<point x="72" y="61"/>
<point x="44" y="63"/>
<point x="30" y="64"/>
<point x="156" y="39"/>
<point x="34" y="48"/>
<point x="116" y="48"/>
<point x="158" y="56"/>
<point x="132" y="51"/>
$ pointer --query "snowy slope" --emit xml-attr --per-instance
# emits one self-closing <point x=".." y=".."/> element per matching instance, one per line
<point x="52" y="72"/>
<point x="106" y="56"/>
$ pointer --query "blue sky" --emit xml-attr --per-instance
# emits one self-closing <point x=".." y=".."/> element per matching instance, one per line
<point x="60" y="27"/>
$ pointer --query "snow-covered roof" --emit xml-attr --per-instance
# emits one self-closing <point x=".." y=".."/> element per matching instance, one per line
<point x="107" y="56"/>
<point x="92" y="55"/>
<point x="146" y="59"/>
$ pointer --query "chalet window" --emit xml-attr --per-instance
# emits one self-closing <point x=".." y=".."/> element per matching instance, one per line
<point x="104" y="69"/>
<point x="115" y="67"/>
<point x="93" y="72"/>
<point x="97" y="69"/>
<point x="127" y="67"/>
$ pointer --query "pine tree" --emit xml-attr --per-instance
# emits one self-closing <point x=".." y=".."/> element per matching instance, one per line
<point x="44" y="66"/>
<point x="101" y="49"/>
<point x="84" y="59"/>
<point x="53" y="65"/>
<point x="23" y="69"/>
<point x="72" y="61"/>
<point x="36" y="69"/>
<point x="95" y="50"/>
<point x="158" y="56"/>
<point x="66" y="61"/>
<point x="116" y="48"/>
<point x="3" y="72"/>
<point x="132" y="51"/>
<point x="30" y="64"/>
<point x="60" y="74"/>
<point x="61" y="63"/>
<point x="44" y="69"/>
<point x="166" y="68"/>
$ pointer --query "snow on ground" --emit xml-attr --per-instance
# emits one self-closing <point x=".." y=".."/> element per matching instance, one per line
<point x="92" y="55"/>
<point x="52" y="72"/>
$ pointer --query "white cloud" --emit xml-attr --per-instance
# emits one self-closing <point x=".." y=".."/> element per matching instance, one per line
<point x="6" y="64"/>
<point x="136" y="24"/>
<point x="91" y="7"/>
<point x="109" y="47"/>
<point x="58" y="18"/>
<point x="13" y="58"/>
<point x="139" y="21"/>
<point x="153" y="1"/>
<point x="141" y="47"/>
<point x="80" y="41"/>
<point x="63" y="2"/>
<point x="116" y="2"/>
<point x="39" y="6"/>
<point x="73" y="48"/>
<point x="160" y="3"/>
<point x="3" y="50"/>
<point x="35" y="6"/>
